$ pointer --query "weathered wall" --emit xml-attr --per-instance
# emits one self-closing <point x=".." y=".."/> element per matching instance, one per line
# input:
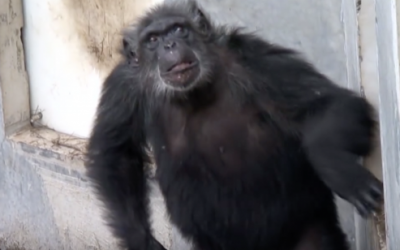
<point x="20" y="195"/>
<point x="13" y="79"/>
<point x="46" y="203"/>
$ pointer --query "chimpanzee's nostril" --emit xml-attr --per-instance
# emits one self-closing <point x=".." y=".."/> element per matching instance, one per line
<point x="169" y="44"/>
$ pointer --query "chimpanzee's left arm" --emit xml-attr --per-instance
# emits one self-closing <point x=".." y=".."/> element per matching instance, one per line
<point x="336" y="126"/>
<point x="335" y="136"/>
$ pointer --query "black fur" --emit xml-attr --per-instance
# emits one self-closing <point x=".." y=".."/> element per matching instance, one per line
<point x="247" y="158"/>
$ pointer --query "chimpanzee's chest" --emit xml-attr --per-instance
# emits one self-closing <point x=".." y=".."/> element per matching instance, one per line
<point x="219" y="142"/>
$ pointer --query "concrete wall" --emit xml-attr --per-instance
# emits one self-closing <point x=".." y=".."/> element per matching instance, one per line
<point x="388" y="34"/>
<point x="45" y="199"/>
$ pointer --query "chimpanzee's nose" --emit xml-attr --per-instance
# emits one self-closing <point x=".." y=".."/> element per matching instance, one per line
<point x="169" y="44"/>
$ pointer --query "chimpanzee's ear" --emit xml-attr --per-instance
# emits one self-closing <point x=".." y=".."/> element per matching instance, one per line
<point x="129" y="49"/>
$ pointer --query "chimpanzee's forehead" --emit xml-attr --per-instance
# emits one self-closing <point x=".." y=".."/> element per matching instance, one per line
<point x="165" y="12"/>
<point x="161" y="25"/>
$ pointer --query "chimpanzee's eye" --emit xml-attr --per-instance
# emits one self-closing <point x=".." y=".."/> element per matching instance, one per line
<point x="152" y="41"/>
<point x="179" y="30"/>
<point x="153" y="38"/>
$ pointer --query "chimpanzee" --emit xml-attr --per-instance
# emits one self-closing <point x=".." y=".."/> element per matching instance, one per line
<point x="250" y="141"/>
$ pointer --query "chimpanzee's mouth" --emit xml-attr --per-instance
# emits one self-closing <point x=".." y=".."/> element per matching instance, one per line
<point x="181" y="67"/>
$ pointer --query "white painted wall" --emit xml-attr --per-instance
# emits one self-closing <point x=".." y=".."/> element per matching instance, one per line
<point x="62" y="40"/>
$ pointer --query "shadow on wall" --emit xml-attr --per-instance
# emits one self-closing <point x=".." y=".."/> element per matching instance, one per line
<point x="99" y="23"/>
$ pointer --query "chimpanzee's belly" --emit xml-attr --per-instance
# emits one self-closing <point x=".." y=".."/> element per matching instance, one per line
<point x="236" y="190"/>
